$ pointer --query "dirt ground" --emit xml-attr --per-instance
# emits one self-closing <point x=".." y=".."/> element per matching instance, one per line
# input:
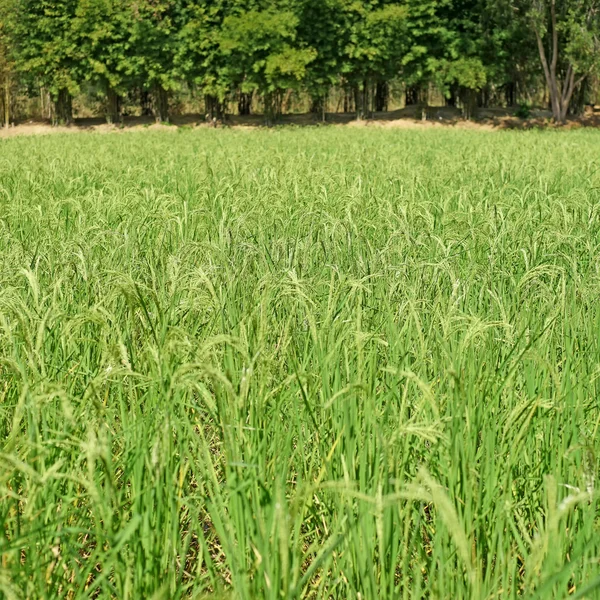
<point x="487" y="120"/>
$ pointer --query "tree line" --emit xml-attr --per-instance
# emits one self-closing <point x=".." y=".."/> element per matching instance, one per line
<point x="474" y="51"/>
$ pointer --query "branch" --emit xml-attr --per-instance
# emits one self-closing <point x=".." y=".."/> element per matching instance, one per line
<point x="580" y="81"/>
<point x="554" y="37"/>
<point x="567" y="82"/>
<point x="543" y="58"/>
<point x="570" y="88"/>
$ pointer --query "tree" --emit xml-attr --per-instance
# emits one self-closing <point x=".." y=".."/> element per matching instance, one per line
<point x="47" y="48"/>
<point x="7" y="63"/>
<point x="321" y="26"/>
<point x="509" y="52"/>
<point x="262" y="55"/>
<point x="567" y="37"/>
<point x="102" y="28"/>
<point x="458" y="68"/>
<point x="199" y="59"/>
<point x="154" y="27"/>
<point x="375" y="41"/>
<point x="426" y="40"/>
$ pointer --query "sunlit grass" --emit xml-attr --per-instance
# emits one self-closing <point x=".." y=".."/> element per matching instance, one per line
<point x="321" y="363"/>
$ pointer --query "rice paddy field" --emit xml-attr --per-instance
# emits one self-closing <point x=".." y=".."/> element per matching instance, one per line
<point x="329" y="363"/>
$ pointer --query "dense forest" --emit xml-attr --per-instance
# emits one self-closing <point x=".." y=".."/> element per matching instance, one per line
<point x="231" y="53"/>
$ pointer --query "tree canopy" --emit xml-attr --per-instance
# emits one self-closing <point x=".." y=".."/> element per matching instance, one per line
<point x="474" y="51"/>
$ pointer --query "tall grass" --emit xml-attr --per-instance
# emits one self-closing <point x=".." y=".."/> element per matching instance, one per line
<point x="318" y="363"/>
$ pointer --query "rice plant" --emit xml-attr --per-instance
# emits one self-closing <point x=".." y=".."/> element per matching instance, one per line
<point x="301" y="363"/>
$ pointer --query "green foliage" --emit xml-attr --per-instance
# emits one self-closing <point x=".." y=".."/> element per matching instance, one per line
<point x="47" y="45"/>
<point x="581" y="29"/>
<point x="198" y="56"/>
<point x="321" y="27"/>
<point x="523" y="111"/>
<point x="424" y="39"/>
<point x="315" y="363"/>
<point x="222" y="48"/>
<point x="464" y="72"/>
<point x="288" y="67"/>
<point x="567" y="33"/>
<point x="7" y="41"/>
<point x="460" y="64"/>
<point x="153" y="41"/>
<point x="509" y="50"/>
<point x="578" y="27"/>
<point x="7" y="63"/>
<point x="376" y="39"/>
<point x="260" y="48"/>
<point x="102" y="26"/>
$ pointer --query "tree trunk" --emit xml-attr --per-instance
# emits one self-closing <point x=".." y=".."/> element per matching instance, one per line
<point x="214" y="108"/>
<point x="244" y="103"/>
<point x="580" y="99"/>
<point x="145" y="103"/>
<point x="273" y="106"/>
<point x="209" y="110"/>
<point x="468" y="100"/>
<point x="7" y="101"/>
<point x="453" y="96"/>
<point x="47" y="105"/>
<point x="161" y="104"/>
<point x="113" y="106"/>
<point x="412" y="95"/>
<point x="510" y="94"/>
<point x="283" y="102"/>
<point x="318" y="106"/>
<point x="560" y="95"/>
<point x="63" y="108"/>
<point x="316" y="103"/>
<point x="483" y="97"/>
<point x="550" y="74"/>
<point x="42" y="104"/>
<point x="361" y="94"/>
<point x="348" y="93"/>
<point x="269" y="102"/>
<point x="382" y="96"/>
